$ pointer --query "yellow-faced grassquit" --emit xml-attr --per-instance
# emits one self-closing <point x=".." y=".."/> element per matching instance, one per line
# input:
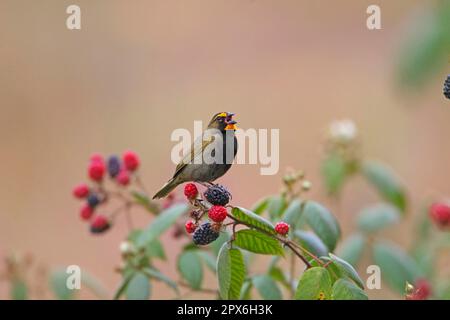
<point x="201" y="164"/>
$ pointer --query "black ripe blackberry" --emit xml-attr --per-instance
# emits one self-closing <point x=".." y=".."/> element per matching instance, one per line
<point x="205" y="234"/>
<point x="217" y="195"/>
<point x="113" y="166"/>
<point x="447" y="87"/>
<point x="93" y="200"/>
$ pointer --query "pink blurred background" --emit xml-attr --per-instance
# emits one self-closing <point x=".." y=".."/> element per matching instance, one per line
<point x="139" y="69"/>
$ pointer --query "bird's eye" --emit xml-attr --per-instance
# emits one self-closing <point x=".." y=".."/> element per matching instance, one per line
<point x="220" y="119"/>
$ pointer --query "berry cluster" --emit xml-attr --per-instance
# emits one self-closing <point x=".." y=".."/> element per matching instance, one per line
<point x="440" y="214"/>
<point x="447" y="87"/>
<point x="217" y="197"/>
<point x="119" y="170"/>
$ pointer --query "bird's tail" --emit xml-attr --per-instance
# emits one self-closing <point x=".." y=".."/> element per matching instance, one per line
<point x="166" y="189"/>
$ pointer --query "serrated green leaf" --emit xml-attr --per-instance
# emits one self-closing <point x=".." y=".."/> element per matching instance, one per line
<point x="261" y="205"/>
<point x="58" y="283"/>
<point x="347" y="270"/>
<point x="230" y="272"/>
<point x="397" y="267"/>
<point x="314" y="284"/>
<point x="377" y="217"/>
<point x="267" y="288"/>
<point x="311" y="242"/>
<point x="352" y="249"/>
<point x="346" y="290"/>
<point x="334" y="172"/>
<point x="257" y="242"/>
<point x="138" y="288"/>
<point x="145" y="201"/>
<point x="156" y="274"/>
<point x="160" y="224"/>
<point x="323" y="223"/>
<point x="386" y="182"/>
<point x="190" y="267"/>
<point x="252" y="219"/>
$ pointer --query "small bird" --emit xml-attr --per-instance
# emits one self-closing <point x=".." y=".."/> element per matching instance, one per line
<point x="193" y="167"/>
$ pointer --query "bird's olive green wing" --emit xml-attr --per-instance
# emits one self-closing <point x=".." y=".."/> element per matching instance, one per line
<point x="196" y="149"/>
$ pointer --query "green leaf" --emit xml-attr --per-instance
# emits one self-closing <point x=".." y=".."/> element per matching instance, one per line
<point x="58" y="283"/>
<point x="138" y="287"/>
<point x="123" y="285"/>
<point x="155" y="249"/>
<point x="252" y="219"/>
<point x="311" y="242"/>
<point x="156" y="274"/>
<point x="377" y="217"/>
<point x="323" y="223"/>
<point x="19" y="290"/>
<point x="334" y="172"/>
<point x="267" y="288"/>
<point x="145" y="201"/>
<point x="347" y="270"/>
<point x="277" y="204"/>
<point x="246" y="291"/>
<point x="352" y="248"/>
<point x="315" y="284"/>
<point x="208" y="259"/>
<point x="424" y="52"/>
<point x="160" y="224"/>
<point x="217" y="245"/>
<point x="278" y="275"/>
<point x="293" y="213"/>
<point x="190" y="267"/>
<point x="230" y="272"/>
<point x="257" y="242"/>
<point x="346" y="290"/>
<point x="397" y="267"/>
<point x="386" y="182"/>
<point x="261" y="205"/>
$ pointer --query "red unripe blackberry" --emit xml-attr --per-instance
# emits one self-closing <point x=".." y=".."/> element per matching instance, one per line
<point x="204" y="234"/>
<point x="96" y="170"/>
<point x="421" y="291"/>
<point x="86" y="212"/>
<point x="130" y="160"/>
<point x="81" y="191"/>
<point x="282" y="228"/>
<point x="123" y="178"/>
<point x="217" y="213"/>
<point x="440" y="214"/>
<point x="217" y="195"/>
<point x="100" y="224"/>
<point x="190" y="191"/>
<point x="190" y="227"/>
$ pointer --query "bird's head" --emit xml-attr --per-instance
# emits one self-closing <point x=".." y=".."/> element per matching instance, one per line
<point x="223" y="121"/>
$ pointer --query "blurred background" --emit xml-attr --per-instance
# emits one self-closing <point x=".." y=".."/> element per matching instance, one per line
<point x="138" y="70"/>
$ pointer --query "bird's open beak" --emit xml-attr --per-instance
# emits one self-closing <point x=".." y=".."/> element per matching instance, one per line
<point x="231" y="125"/>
